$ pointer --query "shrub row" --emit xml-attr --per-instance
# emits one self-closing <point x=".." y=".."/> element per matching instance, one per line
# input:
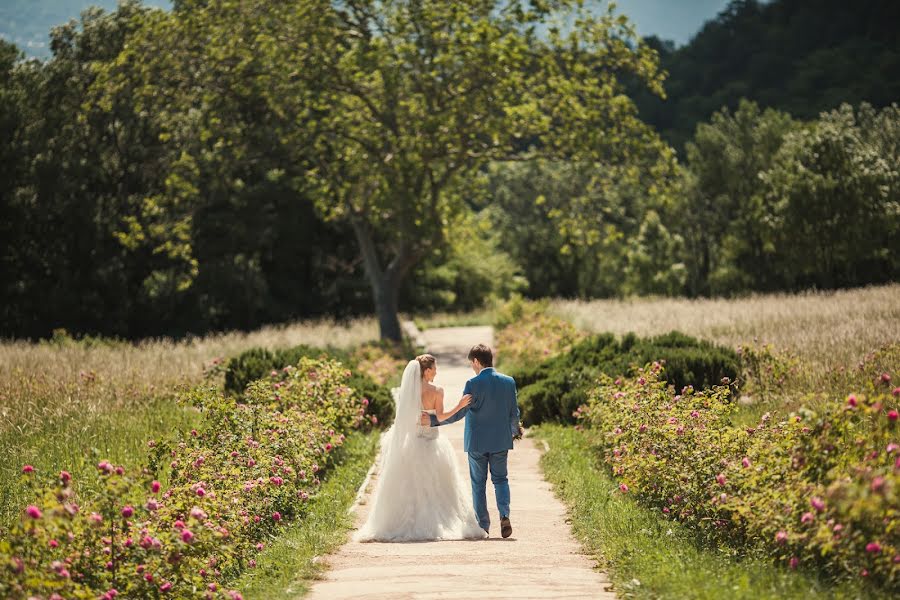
<point x="245" y="470"/>
<point x="554" y="389"/>
<point x="256" y="363"/>
<point x="817" y="488"/>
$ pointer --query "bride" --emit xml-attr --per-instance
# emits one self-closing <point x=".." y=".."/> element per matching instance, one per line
<point x="420" y="494"/>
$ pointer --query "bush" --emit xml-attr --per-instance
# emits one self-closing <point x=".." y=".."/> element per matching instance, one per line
<point x="553" y="390"/>
<point x="527" y="334"/>
<point x="249" y="467"/>
<point x="817" y="488"/>
<point x="259" y="363"/>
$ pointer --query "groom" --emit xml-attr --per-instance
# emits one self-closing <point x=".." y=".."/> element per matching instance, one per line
<point x="492" y="421"/>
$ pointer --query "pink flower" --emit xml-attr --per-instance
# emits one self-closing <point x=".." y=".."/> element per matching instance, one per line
<point x="745" y="462"/>
<point x="96" y="518"/>
<point x="720" y="479"/>
<point x="186" y="536"/>
<point x="198" y="514"/>
<point x="165" y="587"/>
<point x="781" y="537"/>
<point x="892" y="447"/>
<point x="873" y="547"/>
<point x="127" y="511"/>
<point x="104" y="466"/>
<point x="878" y="484"/>
<point x="896" y="391"/>
<point x="328" y="447"/>
<point x="886" y="377"/>
<point x="28" y="469"/>
<point x="892" y="415"/>
<point x="794" y="562"/>
<point x="235" y="595"/>
<point x="65" y="477"/>
<point x="642" y="428"/>
<point x="817" y="503"/>
<point x="53" y="544"/>
<point x="251" y="462"/>
<point x="276" y="516"/>
<point x="851" y="400"/>
<point x="276" y="480"/>
<point x="623" y="488"/>
<point x="838" y="528"/>
<point x="152" y="505"/>
<point x="304" y="496"/>
<point x="641" y="381"/>
<point x="201" y="492"/>
<point x="179" y="524"/>
<point x="807" y="518"/>
<point x="34" y="512"/>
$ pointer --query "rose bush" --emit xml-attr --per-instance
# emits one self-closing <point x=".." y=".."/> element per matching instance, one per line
<point x="250" y="467"/>
<point x="816" y="488"/>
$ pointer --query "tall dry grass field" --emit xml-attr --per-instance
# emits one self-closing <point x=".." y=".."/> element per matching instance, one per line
<point x="825" y="329"/>
<point x="66" y="404"/>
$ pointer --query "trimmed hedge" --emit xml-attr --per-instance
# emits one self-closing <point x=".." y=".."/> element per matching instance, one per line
<point x="257" y="363"/>
<point x="553" y="390"/>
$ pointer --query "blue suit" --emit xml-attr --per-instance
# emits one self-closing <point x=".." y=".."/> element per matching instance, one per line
<point x="492" y="420"/>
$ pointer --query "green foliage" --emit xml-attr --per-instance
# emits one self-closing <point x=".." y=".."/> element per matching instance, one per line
<point x="244" y="471"/>
<point x="817" y="488"/>
<point x="648" y="555"/>
<point x="262" y="364"/>
<point x="527" y="333"/>
<point x="555" y="389"/>
<point x="792" y="55"/>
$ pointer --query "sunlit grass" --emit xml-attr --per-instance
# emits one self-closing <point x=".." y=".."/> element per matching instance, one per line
<point x="65" y="405"/>
<point x="648" y="556"/>
<point x="826" y="329"/>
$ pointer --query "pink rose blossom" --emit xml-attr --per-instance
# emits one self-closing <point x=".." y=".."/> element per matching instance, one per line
<point x="807" y="518"/>
<point x="276" y="516"/>
<point x="28" y="469"/>
<point x="851" y="400"/>
<point x="878" y="484"/>
<point x="152" y="505"/>
<point x="892" y="415"/>
<point x="624" y="488"/>
<point x="817" y="503"/>
<point x="187" y="536"/>
<point x="745" y="462"/>
<point x="165" y="587"/>
<point x="127" y="511"/>
<point x="201" y="492"/>
<point x="781" y="537"/>
<point x="794" y="562"/>
<point x="720" y="479"/>
<point x="53" y="544"/>
<point x="65" y="477"/>
<point x="34" y="512"/>
<point x="873" y="547"/>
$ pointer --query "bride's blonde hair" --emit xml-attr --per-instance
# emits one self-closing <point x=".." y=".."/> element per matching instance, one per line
<point x="426" y="361"/>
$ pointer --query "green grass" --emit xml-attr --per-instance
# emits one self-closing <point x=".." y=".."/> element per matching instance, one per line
<point x="286" y="568"/>
<point x="76" y="443"/>
<point x="648" y="556"/>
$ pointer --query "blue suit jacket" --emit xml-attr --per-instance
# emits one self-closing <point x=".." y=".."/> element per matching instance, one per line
<point x="492" y="417"/>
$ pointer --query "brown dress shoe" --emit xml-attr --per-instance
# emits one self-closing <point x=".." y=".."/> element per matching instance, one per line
<point x="505" y="527"/>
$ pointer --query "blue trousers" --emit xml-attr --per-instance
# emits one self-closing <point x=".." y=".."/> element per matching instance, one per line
<point x="478" y="470"/>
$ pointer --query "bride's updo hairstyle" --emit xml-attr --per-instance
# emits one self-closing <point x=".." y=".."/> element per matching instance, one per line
<point x="426" y="361"/>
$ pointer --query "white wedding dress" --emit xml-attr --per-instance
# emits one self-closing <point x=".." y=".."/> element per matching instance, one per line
<point x="419" y="494"/>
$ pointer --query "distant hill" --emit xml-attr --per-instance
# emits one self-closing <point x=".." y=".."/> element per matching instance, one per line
<point x="799" y="56"/>
<point x="27" y="23"/>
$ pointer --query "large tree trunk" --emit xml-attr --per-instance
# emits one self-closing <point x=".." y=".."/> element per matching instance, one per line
<point x="385" y="283"/>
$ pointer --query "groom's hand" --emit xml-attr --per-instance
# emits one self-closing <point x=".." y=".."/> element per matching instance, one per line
<point x="425" y="419"/>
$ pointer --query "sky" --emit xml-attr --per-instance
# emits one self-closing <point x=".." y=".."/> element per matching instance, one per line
<point x="27" y="22"/>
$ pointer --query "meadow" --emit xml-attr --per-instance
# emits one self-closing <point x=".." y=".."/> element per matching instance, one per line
<point x="825" y="329"/>
<point x="66" y="403"/>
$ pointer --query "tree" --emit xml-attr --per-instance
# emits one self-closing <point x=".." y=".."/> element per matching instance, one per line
<point x="422" y="94"/>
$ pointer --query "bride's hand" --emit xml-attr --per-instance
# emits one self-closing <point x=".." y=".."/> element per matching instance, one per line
<point x="465" y="400"/>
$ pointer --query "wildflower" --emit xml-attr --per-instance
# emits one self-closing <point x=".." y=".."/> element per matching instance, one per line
<point x="34" y="512"/>
<point x="201" y="492"/>
<point x="817" y="503"/>
<point x="198" y="513"/>
<point x="781" y="537"/>
<point x="120" y="471"/>
<point x="851" y="400"/>
<point x="127" y="511"/>
<point x="878" y="484"/>
<point x="154" y="487"/>
<point x="187" y="536"/>
<point x="165" y="587"/>
<point x="807" y="518"/>
<point x="28" y="469"/>
<point x="152" y="505"/>
<point x="104" y="466"/>
<point x="745" y="462"/>
<point x="794" y="562"/>
<point x="720" y="479"/>
<point x="896" y="391"/>
<point x="276" y="516"/>
<point x="624" y="488"/>
<point x="53" y="544"/>
<point x="65" y="477"/>
<point x="642" y="428"/>
<point x="328" y="447"/>
<point x="179" y="524"/>
<point x="260" y="546"/>
<point x="892" y="447"/>
<point x="892" y="415"/>
<point x="873" y="547"/>
<point x="276" y="480"/>
<point x="886" y="377"/>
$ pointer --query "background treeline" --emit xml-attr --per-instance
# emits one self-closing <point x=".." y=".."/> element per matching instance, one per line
<point x="761" y="198"/>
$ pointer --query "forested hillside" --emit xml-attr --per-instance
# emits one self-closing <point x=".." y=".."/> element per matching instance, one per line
<point x="793" y="55"/>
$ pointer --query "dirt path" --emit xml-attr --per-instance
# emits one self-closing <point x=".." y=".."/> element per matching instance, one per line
<point x="540" y="560"/>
